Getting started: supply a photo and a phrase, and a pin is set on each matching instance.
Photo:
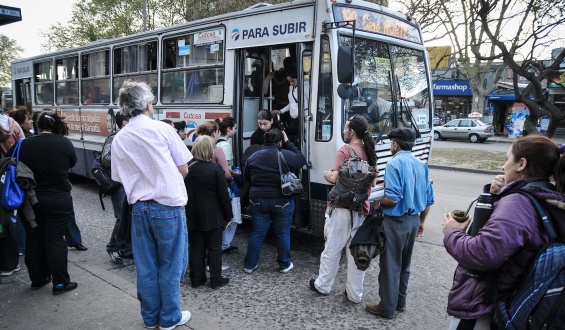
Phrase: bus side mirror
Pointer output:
(345, 65)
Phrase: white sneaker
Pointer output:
(250, 270)
(10, 272)
(224, 267)
(287, 269)
(185, 317)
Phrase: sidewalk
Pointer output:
(107, 302)
(558, 139)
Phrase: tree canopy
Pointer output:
(9, 51)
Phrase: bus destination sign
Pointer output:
(370, 21)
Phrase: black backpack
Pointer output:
(353, 182)
(101, 170)
(539, 301)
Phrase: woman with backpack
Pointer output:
(513, 235)
(342, 223)
(49, 155)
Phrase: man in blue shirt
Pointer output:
(407, 198)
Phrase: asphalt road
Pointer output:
(266, 299)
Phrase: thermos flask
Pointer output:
(483, 210)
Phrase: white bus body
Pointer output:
(215, 67)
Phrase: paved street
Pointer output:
(266, 299)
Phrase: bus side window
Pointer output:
(324, 113)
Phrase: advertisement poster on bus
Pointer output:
(94, 121)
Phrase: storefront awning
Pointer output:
(9, 15)
(503, 96)
(452, 87)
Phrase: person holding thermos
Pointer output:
(507, 233)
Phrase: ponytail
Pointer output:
(53, 122)
(361, 128)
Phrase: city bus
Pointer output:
(351, 57)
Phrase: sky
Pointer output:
(37, 16)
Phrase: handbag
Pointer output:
(235, 203)
(290, 184)
(12, 194)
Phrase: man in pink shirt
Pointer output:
(150, 161)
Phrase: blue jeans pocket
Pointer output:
(282, 205)
(165, 225)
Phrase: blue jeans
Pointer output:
(160, 248)
(265, 211)
(72, 234)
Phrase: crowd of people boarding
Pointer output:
(187, 205)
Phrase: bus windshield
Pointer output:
(390, 87)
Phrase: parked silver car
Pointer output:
(464, 128)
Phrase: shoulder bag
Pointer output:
(12, 194)
(290, 184)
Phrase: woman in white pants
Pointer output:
(342, 223)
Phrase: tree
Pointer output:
(451, 19)
(536, 24)
(95, 20)
(9, 51)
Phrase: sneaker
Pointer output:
(185, 317)
(287, 269)
(149, 326)
(116, 258)
(401, 308)
(313, 287)
(62, 288)
(224, 267)
(250, 270)
(10, 272)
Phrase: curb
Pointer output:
(462, 169)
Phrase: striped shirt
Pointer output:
(145, 156)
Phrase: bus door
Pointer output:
(22, 92)
(249, 96)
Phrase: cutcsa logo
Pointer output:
(235, 34)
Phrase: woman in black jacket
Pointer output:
(49, 155)
(208, 212)
(268, 204)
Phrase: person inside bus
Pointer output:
(280, 83)
(265, 120)
(291, 121)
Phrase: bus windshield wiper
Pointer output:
(404, 104)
